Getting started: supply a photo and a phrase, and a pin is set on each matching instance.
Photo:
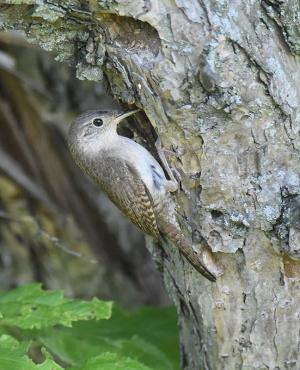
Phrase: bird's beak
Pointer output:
(125, 115)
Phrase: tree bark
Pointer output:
(219, 83)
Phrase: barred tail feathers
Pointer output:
(185, 247)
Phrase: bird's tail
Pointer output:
(201, 260)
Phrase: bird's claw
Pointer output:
(173, 173)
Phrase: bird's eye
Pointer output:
(98, 122)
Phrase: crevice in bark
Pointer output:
(263, 76)
(289, 217)
(281, 31)
(275, 325)
(275, 12)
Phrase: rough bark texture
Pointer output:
(219, 82)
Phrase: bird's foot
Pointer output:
(173, 173)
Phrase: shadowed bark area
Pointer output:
(219, 83)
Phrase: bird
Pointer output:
(131, 178)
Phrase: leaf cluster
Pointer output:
(44, 330)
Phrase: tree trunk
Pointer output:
(219, 83)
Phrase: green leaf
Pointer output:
(149, 335)
(70, 329)
(31, 307)
(13, 356)
(111, 361)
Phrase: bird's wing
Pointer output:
(129, 193)
(123, 185)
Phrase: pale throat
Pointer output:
(103, 140)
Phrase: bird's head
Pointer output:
(93, 128)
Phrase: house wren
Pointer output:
(132, 179)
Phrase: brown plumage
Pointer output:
(131, 177)
(128, 192)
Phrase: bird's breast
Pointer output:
(146, 165)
